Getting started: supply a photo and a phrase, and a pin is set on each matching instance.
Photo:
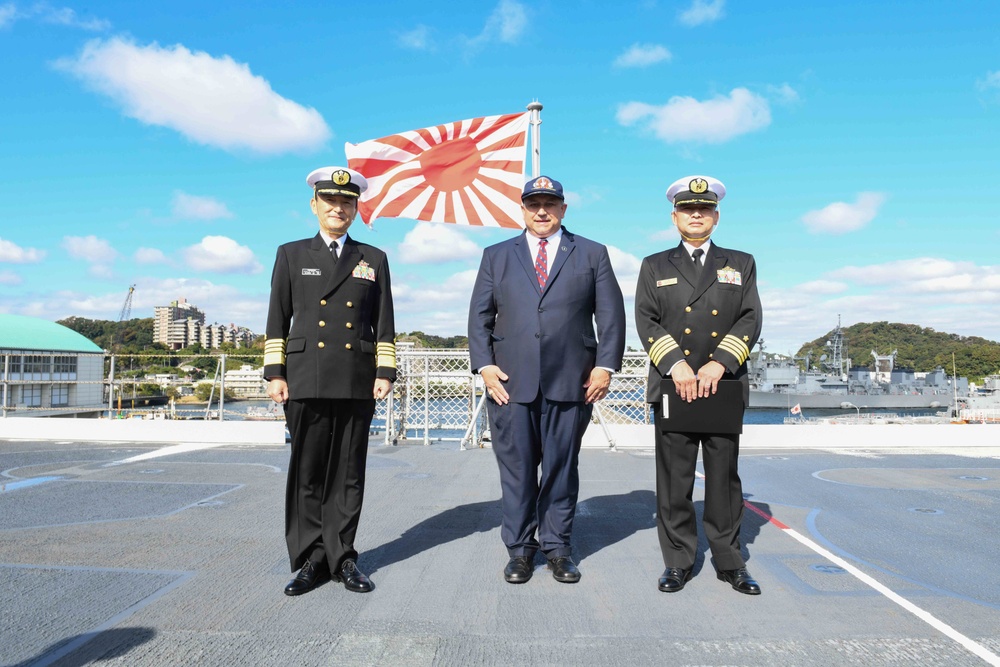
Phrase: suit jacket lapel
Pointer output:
(682, 260)
(714, 261)
(522, 250)
(558, 256)
(339, 270)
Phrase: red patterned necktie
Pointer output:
(542, 264)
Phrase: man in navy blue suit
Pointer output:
(531, 337)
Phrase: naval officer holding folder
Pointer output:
(698, 316)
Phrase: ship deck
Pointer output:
(131, 554)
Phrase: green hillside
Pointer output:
(918, 348)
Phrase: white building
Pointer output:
(247, 382)
(48, 370)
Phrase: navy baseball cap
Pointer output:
(542, 185)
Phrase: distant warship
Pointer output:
(778, 382)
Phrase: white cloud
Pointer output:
(8, 14)
(587, 196)
(435, 242)
(626, 268)
(990, 82)
(149, 256)
(955, 297)
(668, 233)
(685, 119)
(820, 287)
(214, 101)
(15, 254)
(221, 303)
(505, 24)
(89, 249)
(840, 217)
(192, 207)
(702, 11)
(46, 13)
(783, 94)
(221, 254)
(921, 272)
(418, 39)
(643, 55)
(67, 17)
(441, 309)
(9, 278)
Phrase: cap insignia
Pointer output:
(543, 184)
(340, 177)
(698, 185)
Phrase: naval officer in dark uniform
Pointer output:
(329, 354)
(698, 315)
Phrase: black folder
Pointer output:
(721, 412)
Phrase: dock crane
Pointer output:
(116, 336)
(123, 316)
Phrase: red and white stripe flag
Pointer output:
(469, 172)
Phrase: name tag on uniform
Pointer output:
(311, 272)
(666, 281)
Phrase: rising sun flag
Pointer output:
(469, 172)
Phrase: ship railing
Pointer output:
(436, 397)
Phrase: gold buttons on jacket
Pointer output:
(687, 331)
(347, 347)
(715, 334)
(322, 323)
(350, 305)
(687, 353)
(710, 356)
(321, 345)
(715, 312)
(322, 302)
(349, 325)
(687, 309)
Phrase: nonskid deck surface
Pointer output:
(865, 557)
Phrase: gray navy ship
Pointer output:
(777, 381)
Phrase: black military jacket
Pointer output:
(716, 317)
(330, 328)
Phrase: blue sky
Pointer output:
(166, 145)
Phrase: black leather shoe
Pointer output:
(740, 580)
(308, 578)
(673, 579)
(564, 570)
(519, 569)
(353, 579)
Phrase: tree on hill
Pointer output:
(918, 348)
(421, 339)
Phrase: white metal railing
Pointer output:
(436, 397)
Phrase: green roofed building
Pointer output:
(48, 370)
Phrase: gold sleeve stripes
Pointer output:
(385, 355)
(661, 348)
(735, 347)
(274, 352)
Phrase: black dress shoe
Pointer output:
(353, 579)
(519, 569)
(740, 580)
(308, 578)
(673, 579)
(564, 570)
